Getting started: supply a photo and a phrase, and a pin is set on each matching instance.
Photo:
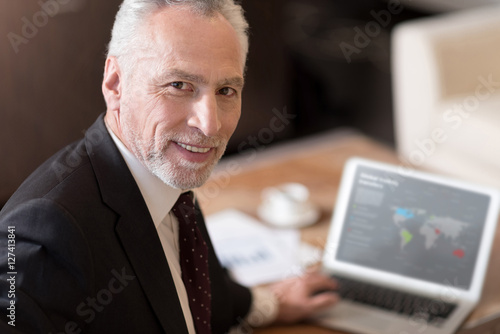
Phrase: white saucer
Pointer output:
(286, 219)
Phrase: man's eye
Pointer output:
(227, 91)
(180, 85)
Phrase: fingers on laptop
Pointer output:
(298, 297)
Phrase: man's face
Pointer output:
(182, 101)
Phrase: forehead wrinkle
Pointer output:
(156, 30)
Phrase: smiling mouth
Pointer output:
(194, 148)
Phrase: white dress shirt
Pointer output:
(160, 198)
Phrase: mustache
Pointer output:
(195, 138)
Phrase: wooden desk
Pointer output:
(317, 162)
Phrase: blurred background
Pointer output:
(316, 65)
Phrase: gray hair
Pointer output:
(132, 13)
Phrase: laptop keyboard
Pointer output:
(434, 311)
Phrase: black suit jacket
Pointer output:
(87, 254)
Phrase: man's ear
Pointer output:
(111, 84)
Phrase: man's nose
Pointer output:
(205, 115)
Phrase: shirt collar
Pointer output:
(159, 197)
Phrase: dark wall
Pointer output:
(336, 57)
(50, 90)
(298, 81)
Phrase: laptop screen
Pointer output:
(413, 227)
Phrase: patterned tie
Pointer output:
(193, 252)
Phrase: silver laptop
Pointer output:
(409, 249)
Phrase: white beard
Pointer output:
(174, 172)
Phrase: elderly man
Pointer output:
(107, 236)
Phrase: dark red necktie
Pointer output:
(193, 253)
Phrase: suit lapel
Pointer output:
(135, 228)
(145, 253)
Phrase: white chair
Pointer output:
(446, 85)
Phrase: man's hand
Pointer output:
(300, 297)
